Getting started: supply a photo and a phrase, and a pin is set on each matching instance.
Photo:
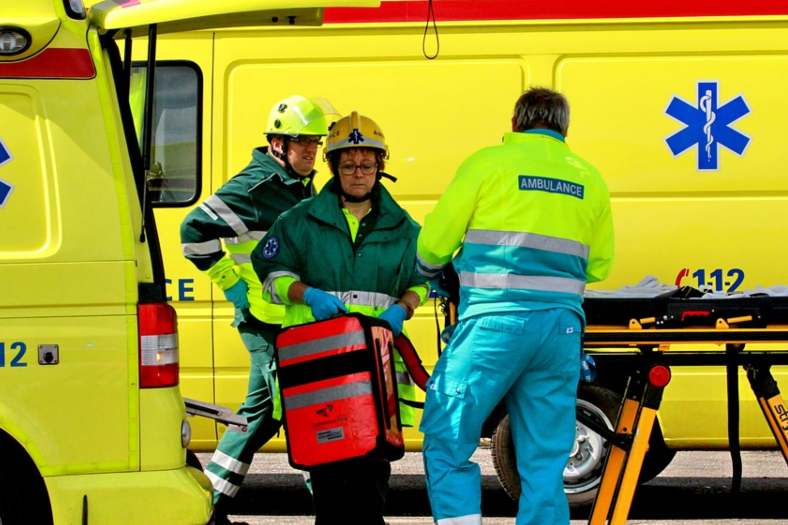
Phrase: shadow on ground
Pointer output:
(663, 498)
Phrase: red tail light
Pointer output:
(158, 326)
(659, 376)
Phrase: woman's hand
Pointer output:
(323, 305)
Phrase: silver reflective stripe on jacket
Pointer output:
(426, 269)
(202, 248)
(522, 282)
(241, 258)
(248, 236)
(359, 298)
(326, 395)
(527, 240)
(270, 279)
(317, 346)
(226, 214)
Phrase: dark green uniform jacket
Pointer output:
(312, 243)
(239, 214)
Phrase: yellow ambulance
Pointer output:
(92, 423)
(679, 104)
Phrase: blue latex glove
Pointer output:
(323, 305)
(587, 368)
(236, 294)
(394, 316)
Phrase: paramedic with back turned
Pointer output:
(534, 223)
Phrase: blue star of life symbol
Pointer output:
(5, 188)
(355, 137)
(271, 248)
(707, 126)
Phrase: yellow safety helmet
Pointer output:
(355, 131)
(297, 115)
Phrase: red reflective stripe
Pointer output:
(448, 10)
(51, 63)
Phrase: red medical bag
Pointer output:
(339, 391)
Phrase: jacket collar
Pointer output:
(532, 134)
(327, 207)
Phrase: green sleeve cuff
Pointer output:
(224, 273)
(422, 290)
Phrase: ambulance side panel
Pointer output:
(703, 207)
(71, 268)
(69, 283)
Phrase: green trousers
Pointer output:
(232, 457)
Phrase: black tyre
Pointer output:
(23, 495)
(583, 472)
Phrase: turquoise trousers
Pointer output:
(530, 360)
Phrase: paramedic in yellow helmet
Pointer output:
(351, 248)
(534, 224)
(218, 237)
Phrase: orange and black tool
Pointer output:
(771, 402)
(629, 445)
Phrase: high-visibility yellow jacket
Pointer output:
(534, 223)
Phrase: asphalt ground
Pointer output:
(693, 490)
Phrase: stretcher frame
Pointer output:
(644, 344)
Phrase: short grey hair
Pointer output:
(541, 108)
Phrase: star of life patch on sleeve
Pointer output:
(271, 248)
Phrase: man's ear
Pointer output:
(514, 124)
(277, 144)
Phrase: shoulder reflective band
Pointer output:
(360, 298)
(346, 342)
(52, 63)
(327, 395)
(527, 240)
(522, 282)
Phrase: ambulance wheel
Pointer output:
(583, 472)
(23, 494)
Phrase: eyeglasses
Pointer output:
(365, 169)
(307, 140)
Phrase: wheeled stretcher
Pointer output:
(646, 333)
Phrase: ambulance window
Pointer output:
(177, 130)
